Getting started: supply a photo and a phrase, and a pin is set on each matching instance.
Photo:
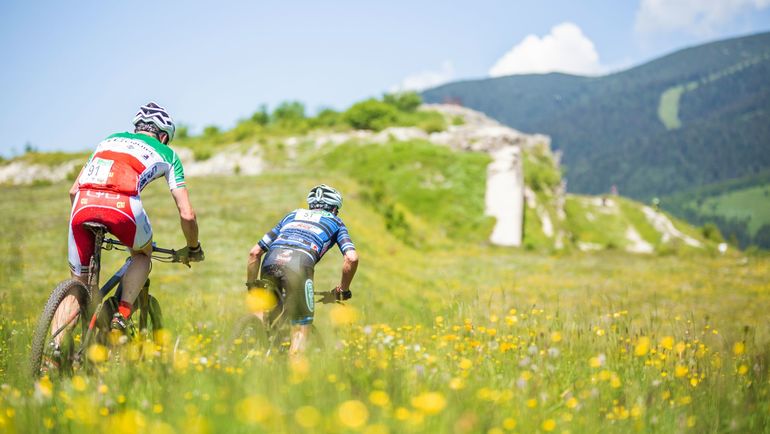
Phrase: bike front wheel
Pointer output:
(61, 330)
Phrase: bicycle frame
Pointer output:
(95, 267)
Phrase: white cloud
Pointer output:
(426, 79)
(565, 49)
(699, 17)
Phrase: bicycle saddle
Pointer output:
(95, 226)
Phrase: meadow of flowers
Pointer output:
(461, 339)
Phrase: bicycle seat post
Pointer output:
(98, 230)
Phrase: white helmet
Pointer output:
(154, 114)
(323, 196)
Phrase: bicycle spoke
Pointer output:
(69, 321)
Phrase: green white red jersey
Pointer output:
(125, 163)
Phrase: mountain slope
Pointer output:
(697, 116)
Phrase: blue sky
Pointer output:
(71, 75)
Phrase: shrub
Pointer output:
(245, 129)
(403, 101)
(182, 132)
(288, 112)
(432, 123)
(327, 118)
(540, 173)
(211, 131)
(261, 116)
(201, 154)
(711, 232)
(371, 115)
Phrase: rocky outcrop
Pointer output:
(20, 172)
(227, 162)
(665, 226)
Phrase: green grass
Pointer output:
(668, 107)
(436, 184)
(752, 202)
(462, 338)
(540, 172)
(604, 227)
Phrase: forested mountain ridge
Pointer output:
(695, 117)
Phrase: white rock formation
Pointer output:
(663, 224)
(636, 244)
(19, 172)
(504, 196)
(227, 162)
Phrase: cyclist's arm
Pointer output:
(349, 254)
(187, 216)
(252, 267)
(349, 267)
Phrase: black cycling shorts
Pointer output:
(292, 271)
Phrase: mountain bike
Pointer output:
(273, 331)
(65, 349)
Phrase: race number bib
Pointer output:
(308, 216)
(97, 172)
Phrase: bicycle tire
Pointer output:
(250, 332)
(42, 340)
(156, 315)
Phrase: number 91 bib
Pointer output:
(97, 172)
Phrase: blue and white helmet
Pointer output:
(154, 114)
(323, 196)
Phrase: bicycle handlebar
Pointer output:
(155, 249)
(333, 296)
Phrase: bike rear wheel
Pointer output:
(58, 352)
(250, 334)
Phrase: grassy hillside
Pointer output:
(460, 337)
(694, 117)
(739, 207)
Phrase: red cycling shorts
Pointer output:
(123, 215)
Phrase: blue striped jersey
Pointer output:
(311, 231)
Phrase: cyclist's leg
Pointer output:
(139, 237)
(80, 243)
(301, 300)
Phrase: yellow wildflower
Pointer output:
(548, 425)
(260, 300)
(343, 315)
(429, 402)
(642, 346)
(379, 398)
(667, 342)
(353, 414)
(307, 416)
(739, 348)
(97, 353)
(79, 383)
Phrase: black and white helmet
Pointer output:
(323, 196)
(154, 114)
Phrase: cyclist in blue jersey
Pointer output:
(293, 248)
